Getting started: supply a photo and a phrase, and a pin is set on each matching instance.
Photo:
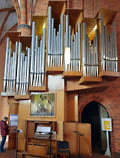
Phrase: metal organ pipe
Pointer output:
(32, 53)
(109, 59)
(90, 55)
(6, 65)
(49, 34)
(55, 42)
(19, 66)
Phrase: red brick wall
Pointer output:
(110, 98)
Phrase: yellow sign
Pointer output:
(106, 124)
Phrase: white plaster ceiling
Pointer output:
(8, 18)
(2, 17)
(5, 4)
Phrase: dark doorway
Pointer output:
(92, 113)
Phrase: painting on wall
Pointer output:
(42, 104)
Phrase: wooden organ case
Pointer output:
(38, 141)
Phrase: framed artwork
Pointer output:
(42, 104)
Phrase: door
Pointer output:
(92, 113)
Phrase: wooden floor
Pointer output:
(12, 154)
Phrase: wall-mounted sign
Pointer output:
(106, 124)
(13, 120)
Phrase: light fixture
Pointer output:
(67, 55)
(95, 27)
(44, 25)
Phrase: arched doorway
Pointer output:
(92, 113)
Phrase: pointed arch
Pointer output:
(93, 113)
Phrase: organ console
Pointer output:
(43, 132)
(41, 138)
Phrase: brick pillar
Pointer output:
(23, 27)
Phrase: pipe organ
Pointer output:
(37, 69)
(10, 68)
(109, 59)
(24, 69)
(90, 54)
(74, 43)
(55, 42)
(22, 80)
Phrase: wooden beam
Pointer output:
(71, 74)
(3, 24)
(109, 75)
(73, 86)
(37, 89)
(7, 9)
(22, 97)
(89, 80)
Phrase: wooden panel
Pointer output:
(54, 70)
(76, 107)
(79, 20)
(30, 129)
(71, 75)
(60, 106)
(71, 107)
(26, 41)
(13, 35)
(43, 141)
(90, 25)
(109, 75)
(13, 109)
(38, 150)
(73, 15)
(22, 97)
(57, 8)
(65, 106)
(60, 130)
(23, 115)
(85, 140)
(108, 15)
(73, 86)
(21, 136)
(89, 80)
(40, 23)
(37, 89)
(69, 136)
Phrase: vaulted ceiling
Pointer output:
(8, 17)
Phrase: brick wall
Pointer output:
(110, 99)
